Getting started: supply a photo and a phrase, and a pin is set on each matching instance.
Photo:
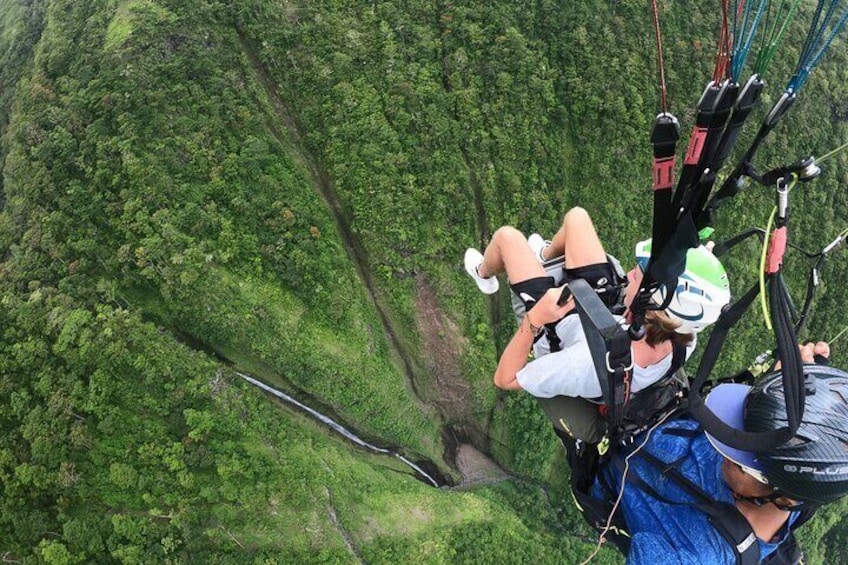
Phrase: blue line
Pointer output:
(814, 48)
(752, 32)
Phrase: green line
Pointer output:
(763, 301)
(838, 335)
(767, 54)
(763, 254)
(837, 150)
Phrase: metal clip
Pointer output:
(782, 198)
(611, 370)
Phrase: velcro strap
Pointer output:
(696, 145)
(663, 173)
(777, 247)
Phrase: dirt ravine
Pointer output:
(451, 393)
(443, 344)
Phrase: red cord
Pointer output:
(660, 60)
(724, 43)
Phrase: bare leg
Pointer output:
(578, 240)
(508, 252)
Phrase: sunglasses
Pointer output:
(759, 501)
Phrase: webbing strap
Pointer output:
(613, 286)
(664, 267)
(713, 110)
(554, 343)
(664, 136)
(745, 101)
(666, 264)
(725, 246)
(695, 195)
(678, 358)
(733, 183)
(609, 346)
(792, 371)
(792, 368)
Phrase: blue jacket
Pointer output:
(669, 533)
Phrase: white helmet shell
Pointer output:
(702, 289)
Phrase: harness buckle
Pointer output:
(611, 370)
(629, 438)
(746, 543)
(604, 445)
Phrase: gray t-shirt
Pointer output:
(571, 371)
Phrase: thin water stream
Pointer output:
(338, 428)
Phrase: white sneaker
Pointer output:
(473, 260)
(537, 244)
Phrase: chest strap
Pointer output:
(609, 346)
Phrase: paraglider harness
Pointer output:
(678, 216)
(628, 413)
(666, 400)
(609, 344)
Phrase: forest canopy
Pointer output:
(284, 188)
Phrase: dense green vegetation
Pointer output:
(285, 188)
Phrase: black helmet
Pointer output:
(812, 466)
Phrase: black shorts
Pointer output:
(600, 276)
(532, 290)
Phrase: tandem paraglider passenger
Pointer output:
(562, 375)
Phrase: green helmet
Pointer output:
(702, 290)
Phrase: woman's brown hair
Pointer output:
(659, 328)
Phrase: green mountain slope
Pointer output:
(285, 188)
